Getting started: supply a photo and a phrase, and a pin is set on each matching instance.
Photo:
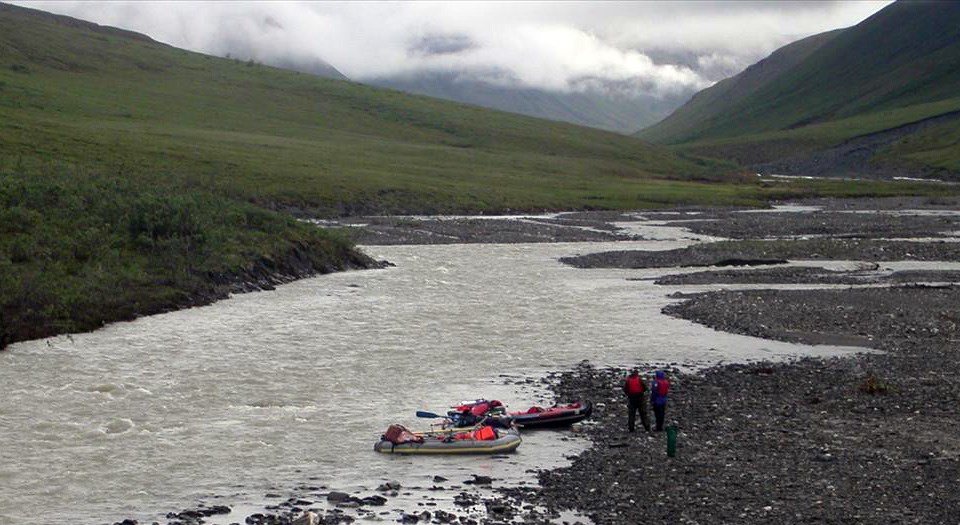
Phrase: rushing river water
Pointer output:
(266, 391)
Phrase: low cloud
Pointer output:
(655, 48)
(440, 44)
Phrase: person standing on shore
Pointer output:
(636, 392)
(658, 397)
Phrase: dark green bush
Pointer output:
(78, 250)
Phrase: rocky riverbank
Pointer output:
(848, 440)
(853, 440)
(590, 227)
(870, 438)
(855, 157)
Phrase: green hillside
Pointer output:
(136, 178)
(610, 112)
(101, 98)
(897, 67)
(712, 105)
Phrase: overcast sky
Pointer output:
(657, 47)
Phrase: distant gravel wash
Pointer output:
(817, 316)
(803, 275)
(847, 224)
(438, 230)
(753, 252)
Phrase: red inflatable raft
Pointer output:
(552, 417)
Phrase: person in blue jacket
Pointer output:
(658, 397)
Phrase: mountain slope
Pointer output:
(136, 178)
(903, 55)
(712, 104)
(619, 113)
(93, 96)
(877, 100)
(314, 67)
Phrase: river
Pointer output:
(244, 400)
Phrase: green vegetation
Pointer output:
(137, 178)
(767, 146)
(712, 105)
(280, 138)
(895, 68)
(81, 249)
(613, 113)
(935, 147)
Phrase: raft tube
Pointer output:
(552, 417)
(507, 440)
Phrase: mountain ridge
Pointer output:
(608, 111)
(895, 68)
(739, 86)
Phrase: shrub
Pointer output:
(78, 250)
(874, 386)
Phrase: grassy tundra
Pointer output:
(136, 177)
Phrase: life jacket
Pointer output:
(661, 387)
(485, 434)
(634, 386)
(479, 407)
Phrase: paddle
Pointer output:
(424, 413)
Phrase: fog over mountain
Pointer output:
(561, 57)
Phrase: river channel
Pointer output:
(245, 400)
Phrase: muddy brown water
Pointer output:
(265, 392)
